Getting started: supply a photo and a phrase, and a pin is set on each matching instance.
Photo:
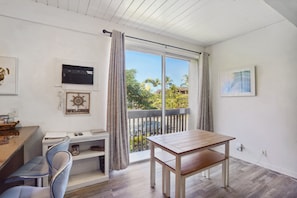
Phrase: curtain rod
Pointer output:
(132, 37)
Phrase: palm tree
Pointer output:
(185, 81)
(155, 82)
(168, 81)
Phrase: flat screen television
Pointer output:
(74, 74)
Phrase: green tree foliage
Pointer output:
(137, 96)
(176, 97)
(141, 96)
(155, 82)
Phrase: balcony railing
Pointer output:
(144, 123)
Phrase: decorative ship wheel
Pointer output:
(78, 100)
(77, 103)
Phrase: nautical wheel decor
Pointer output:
(77, 103)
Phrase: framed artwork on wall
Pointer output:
(8, 75)
(77, 103)
(238, 82)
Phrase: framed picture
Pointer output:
(77, 103)
(238, 82)
(8, 75)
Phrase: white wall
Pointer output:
(268, 120)
(40, 37)
(38, 49)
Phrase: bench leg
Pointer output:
(163, 180)
(206, 173)
(39, 182)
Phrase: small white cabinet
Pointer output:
(91, 165)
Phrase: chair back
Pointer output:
(50, 153)
(62, 163)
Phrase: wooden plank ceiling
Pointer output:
(203, 22)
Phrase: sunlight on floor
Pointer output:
(139, 156)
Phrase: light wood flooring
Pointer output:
(246, 181)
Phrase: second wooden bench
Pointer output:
(190, 164)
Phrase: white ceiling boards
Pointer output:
(201, 22)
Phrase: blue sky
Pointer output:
(149, 66)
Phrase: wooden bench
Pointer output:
(190, 165)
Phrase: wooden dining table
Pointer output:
(184, 143)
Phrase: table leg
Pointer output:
(153, 165)
(227, 163)
(166, 181)
(224, 173)
(178, 182)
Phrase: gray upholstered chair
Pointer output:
(61, 165)
(39, 167)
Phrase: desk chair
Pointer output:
(61, 165)
(39, 167)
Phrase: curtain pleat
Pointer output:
(205, 120)
(117, 108)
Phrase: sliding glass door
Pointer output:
(176, 95)
(157, 91)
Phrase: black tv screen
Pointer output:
(73, 74)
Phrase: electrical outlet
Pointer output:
(239, 146)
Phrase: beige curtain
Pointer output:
(205, 120)
(116, 109)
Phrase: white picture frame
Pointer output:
(238, 82)
(8, 75)
(77, 103)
